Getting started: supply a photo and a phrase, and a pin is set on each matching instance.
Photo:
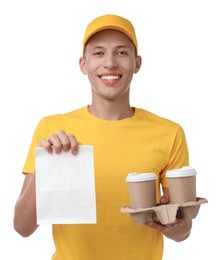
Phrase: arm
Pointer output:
(25, 220)
(179, 156)
(178, 231)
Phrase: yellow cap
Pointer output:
(110, 21)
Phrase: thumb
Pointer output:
(164, 199)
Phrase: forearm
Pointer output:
(25, 220)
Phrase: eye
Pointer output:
(122, 53)
(98, 53)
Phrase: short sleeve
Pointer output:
(179, 155)
(29, 166)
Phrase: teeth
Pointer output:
(110, 77)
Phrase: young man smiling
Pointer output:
(125, 139)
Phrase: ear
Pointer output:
(138, 64)
(82, 64)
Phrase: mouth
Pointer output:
(110, 77)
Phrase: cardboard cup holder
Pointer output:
(165, 213)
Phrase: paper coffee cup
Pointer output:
(182, 184)
(142, 189)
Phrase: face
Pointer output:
(109, 62)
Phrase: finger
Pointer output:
(165, 229)
(56, 143)
(156, 225)
(74, 145)
(164, 200)
(64, 140)
(46, 145)
(173, 224)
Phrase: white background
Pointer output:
(39, 75)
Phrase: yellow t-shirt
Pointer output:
(141, 143)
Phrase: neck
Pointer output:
(111, 111)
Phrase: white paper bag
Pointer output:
(65, 187)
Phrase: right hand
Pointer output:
(60, 142)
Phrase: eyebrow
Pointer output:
(117, 47)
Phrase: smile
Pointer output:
(110, 77)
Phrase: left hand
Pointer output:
(179, 230)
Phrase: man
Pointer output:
(125, 139)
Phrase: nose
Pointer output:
(110, 61)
